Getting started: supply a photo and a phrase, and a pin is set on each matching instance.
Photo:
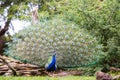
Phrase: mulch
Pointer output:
(23, 69)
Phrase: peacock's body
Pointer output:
(51, 65)
(73, 46)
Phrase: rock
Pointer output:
(117, 77)
(103, 76)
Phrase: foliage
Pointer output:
(12, 8)
(73, 46)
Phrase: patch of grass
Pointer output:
(49, 78)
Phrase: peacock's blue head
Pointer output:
(54, 53)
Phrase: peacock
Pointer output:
(51, 65)
(35, 43)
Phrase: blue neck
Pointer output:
(53, 59)
(52, 64)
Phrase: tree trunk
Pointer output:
(2, 33)
(2, 42)
(6, 27)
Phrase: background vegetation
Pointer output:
(101, 18)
